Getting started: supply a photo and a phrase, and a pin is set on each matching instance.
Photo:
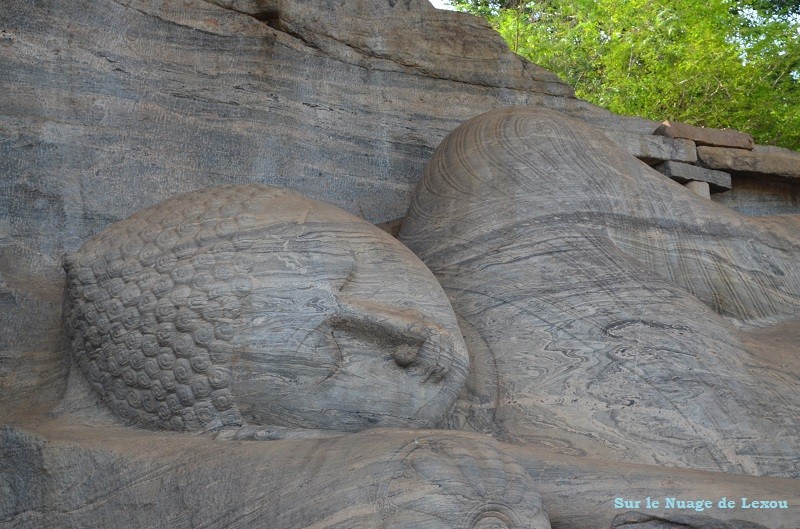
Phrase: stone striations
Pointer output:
(399, 479)
(639, 520)
(755, 193)
(606, 299)
(111, 106)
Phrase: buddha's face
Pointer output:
(254, 305)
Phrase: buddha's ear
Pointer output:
(407, 325)
(416, 340)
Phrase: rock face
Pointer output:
(701, 189)
(405, 479)
(350, 97)
(110, 107)
(637, 520)
(607, 298)
(759, 195)
(764, 179)
(62, 474)
(251, 305)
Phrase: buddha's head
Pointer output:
(253, 305)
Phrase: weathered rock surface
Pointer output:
(706, 136)
(770, 162)
(615, 122)
(580, 492)
(234, 92)
(33, 365)
(392, 37)
(391, 227)
(636, 520)
(701, 189)
(759, 195)
(773, 149)
(58, 476)
(110, 107)
(683, 172)
(606, 299)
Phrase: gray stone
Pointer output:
(701, 189)
(402, 37)
(90, 451)
(33, 365)
(56, 476)
(770, 162)
(251, 305)
(684, 172)
(756, 193)
(396, 76)
(777, 150)
(653, 149)
(109, 107)
(569, 484)
(706, 136)
(759, 195)
(615, 122)
(599, 294)
(392, 227)
(638, 520)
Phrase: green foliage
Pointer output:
(776, 7)
(716, 63)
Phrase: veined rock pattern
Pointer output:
(381, 478)
(251, 305)
(610, 301)
(608, 312)
(111, 106)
